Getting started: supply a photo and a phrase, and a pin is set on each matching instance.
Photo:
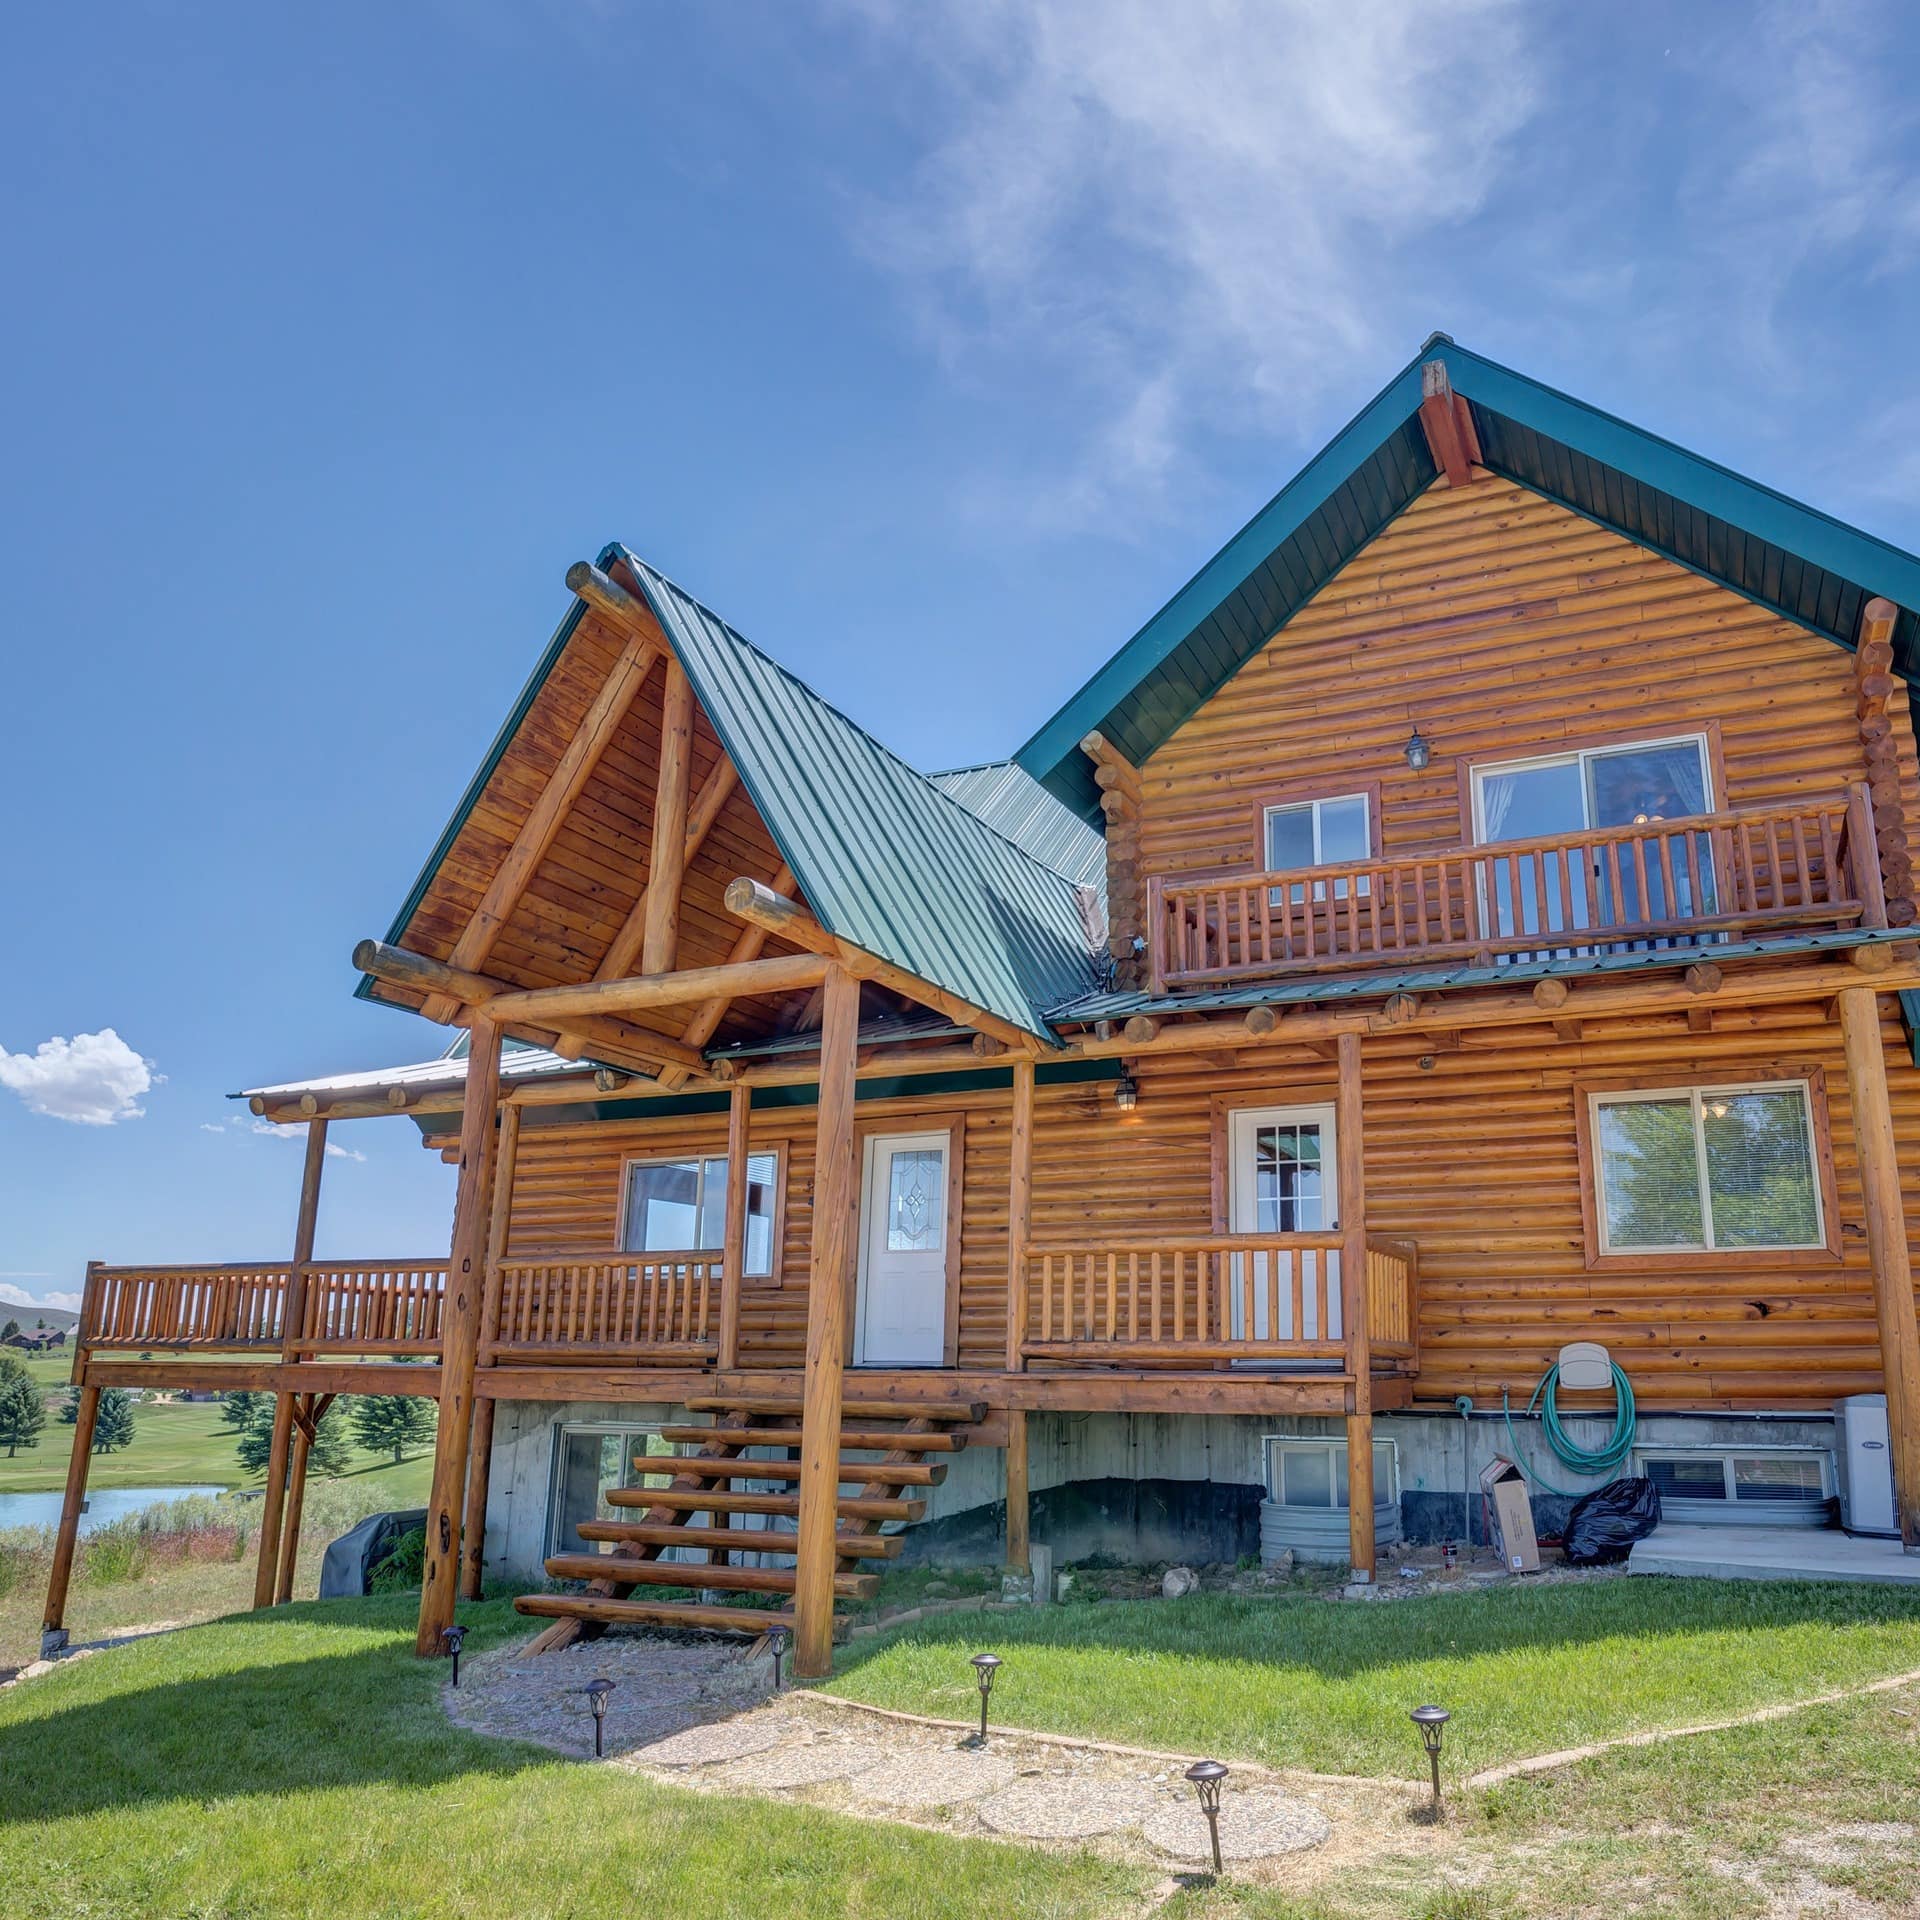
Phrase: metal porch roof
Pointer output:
(1013, 803)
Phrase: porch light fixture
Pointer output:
(597, 1692)
(777, 1639)
(1432, 1722)
(451, 1639)
(1126, 1092)
(1206, 1776)
(986, 1665)
(1418, 750)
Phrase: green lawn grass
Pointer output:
(180, 1443)
(298, 1764)
(1297, 1680)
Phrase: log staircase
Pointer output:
(701, 1512)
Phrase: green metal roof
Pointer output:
(1791, 558)
(1012, 802)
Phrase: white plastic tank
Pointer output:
(1865, 1463)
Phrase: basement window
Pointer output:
(1313, 1473)
(589, 1462)
(1754, 1486)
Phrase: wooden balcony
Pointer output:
(1215, 1299)
(638, 1309)
(1808, 867)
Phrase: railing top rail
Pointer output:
(540, 1262)
(198, 1270)
(1212, 879)
(1122, 1245)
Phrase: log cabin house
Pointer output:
(1471, 916)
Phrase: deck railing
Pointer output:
(1812, 865)
(622, 1306)
(373, 1306)
(1212, 1297)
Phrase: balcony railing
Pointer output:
(624, 1307)
(1214, 1297)
(1803, 867)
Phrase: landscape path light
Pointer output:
(1206, 1776)
(777, 1639)
(986, 1665)
(451, 1639)
(1432, 1722)
(597, 1691)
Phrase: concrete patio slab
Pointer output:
(1772, 1553)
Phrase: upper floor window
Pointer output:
(680, 1206)
(1707, 1169)
(1334, 832)
(1626, 785)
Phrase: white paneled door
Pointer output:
(902, 1315)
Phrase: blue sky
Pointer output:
(935, 345)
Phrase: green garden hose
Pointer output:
(1594, 1465)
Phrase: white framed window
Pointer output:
(1705, 1169)
(680, 1206)
(1630, 783)
(1335, 831)
(589, 1462)
(1308, 1472)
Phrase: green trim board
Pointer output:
(1795, 560)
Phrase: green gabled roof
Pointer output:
(884, 858)
(1799, 562)
(1013, 803)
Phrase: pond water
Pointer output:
(104, 1505)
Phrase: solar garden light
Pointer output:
(777, 1639)
(1206, 1776)
(597, 1692)
(1432, 1722)
(450, 1642)
(986, 1665)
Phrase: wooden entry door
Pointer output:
(905, 1240)
(1283, 1177)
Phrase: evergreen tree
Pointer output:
(70, 1408)
(329, 1455)
(23, 1408)
(113, 1423)
(9, 1330)
(394, 1423)
(237, 1406)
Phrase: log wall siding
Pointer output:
(1475, 1159)
(1507, 626)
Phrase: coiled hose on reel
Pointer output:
(1593, 1464)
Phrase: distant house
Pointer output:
(38, 1342)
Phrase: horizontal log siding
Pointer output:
(1474, 1160)
(1507, 626)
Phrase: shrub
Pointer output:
(401, 1570)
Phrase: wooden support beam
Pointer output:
(288, 1559)
(761, 907)
(1019, 1530)
(667, 869)
(1350, 1153)
(1261, 1021)
(836, 1185)
(1887, 1246)
(473, 1531)
(622, 955)
(649, 993)
(556, 799)
(733, 1235)
(460, 1338)
(1139, 1029)
(1448, 425)
(1019, 1211)
(1549, 993)
(53, 1622)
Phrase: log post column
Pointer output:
(1019, 1212)
(835, 1203)
(473, 1534)
(460, 1336)
(1350, 1149)
(293, 1314)
(733, 1235)
(1887, 1244)
(1019, 1528)
(53, 1623)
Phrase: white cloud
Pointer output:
(1186, 211)
(13, 1296)
(94, 1079)
(271, 1130)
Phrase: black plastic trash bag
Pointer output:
(1604, 1525)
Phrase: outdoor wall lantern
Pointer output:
(1419, 751)
(1126, 1092)
(450, 1642)
(597, 1692)
(1432, 1722)
(1206, 1776)
(986, 1665)
(777, 1638)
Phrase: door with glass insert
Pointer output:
(902, 1314)
(1644, 880)
(1282, 1178)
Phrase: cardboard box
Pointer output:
(1509, 1507)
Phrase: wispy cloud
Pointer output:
(1183, 212)
(94, 1079)
(271, 1130)
(14, 1296)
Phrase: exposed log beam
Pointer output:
(760, 906)
(564, 786)
(784, 973)
(1448, 425)
(747, 946)
(667, 869)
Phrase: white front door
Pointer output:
(902, 1313)
(1282, 1178)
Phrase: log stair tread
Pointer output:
(662, 1533)
(608, 1611)
(854, 1439)
(724, 1500)
(853, 1473)
(955, 1412)
(695, 1574)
